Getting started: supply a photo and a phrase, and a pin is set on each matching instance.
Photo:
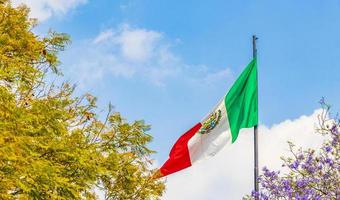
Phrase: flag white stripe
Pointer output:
(202, 146)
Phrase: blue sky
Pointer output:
(169, 62)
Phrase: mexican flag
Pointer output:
(237, 109)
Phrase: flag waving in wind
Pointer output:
(237, 109)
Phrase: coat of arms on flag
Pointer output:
(211, 122)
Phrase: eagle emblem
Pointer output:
(211, 122)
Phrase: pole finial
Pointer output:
(254, 46)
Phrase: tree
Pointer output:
(312, 174)
(53, 144)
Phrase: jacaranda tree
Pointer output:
(53, 144)
(312, 174)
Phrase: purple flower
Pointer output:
(311, 169)
(298, 197)
(301, 183)
(294, 165)
(264, 169)
(322, 101)
(326, 176)
(334, 129)
(254, 194)
(317, 197)
(286, 184)
(328, 149)
(329, 161)
(309, 160)
(334, 141)
(301, 157)
(269, 174)
(264, 197)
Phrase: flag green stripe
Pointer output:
(241, 101)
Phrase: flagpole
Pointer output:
(256, 158)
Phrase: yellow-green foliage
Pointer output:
(52, 144)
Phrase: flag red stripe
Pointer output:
(179, 157)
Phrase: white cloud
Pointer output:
(224, 74)
(139, 44)
(129, 52)
(229, 175)
(135, 45)
(126, 52)
(44, 9)
(103, 36)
